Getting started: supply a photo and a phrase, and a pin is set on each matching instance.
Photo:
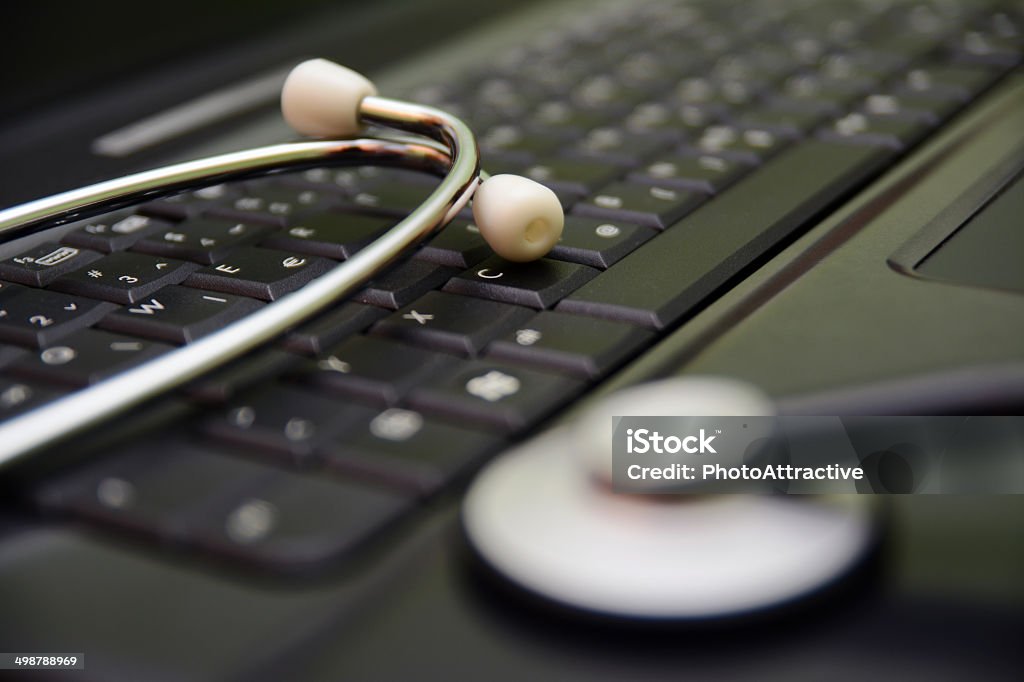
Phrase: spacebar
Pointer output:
(671, 274)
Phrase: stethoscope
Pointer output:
(519, 218)
(541, 514)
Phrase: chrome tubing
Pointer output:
(453, 151)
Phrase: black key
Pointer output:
(404, 283)
(960, 83)
(179, 314)
(457, 324)
(202, 240)
(701, 173)
(617, 146)
(514, 143)
(11, 354)
(375, 370)
(223, 384)
(329, 234)
(41, 265)
(598, 243)
(191, 204)
(124, 277)
(652, 206)
(87, 357)
(539, 284)
(580, 347)
(493, 395)
(404, 449)
(864, 129)
(284, 420)
(319, 334)
(580, 176)
(753, 145)
(389, 199)
(671, 122)
(271, 202)
(260, 273)
(299, 523)
(115, 231)
(922, 109)
(668, 276)
(38, 318)
(157, 490)
(458, 245)
(21, 396)
(787, 123)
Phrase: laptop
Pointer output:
(814, 204)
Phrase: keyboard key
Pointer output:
(457, 245)
(752, 145)
(41, 265)
(404, 283)
(202, 240)
(598, 243)
(667, 277)
(17, 397)
(617, 146)
(11, 354)
(297, 523)
(493, 396)
(271, 202)
(402, 448)
(572, 176)
(699, 173)
(284, 420)
(114, 231)
(86, 357)
(260, 273)
(538, 284)
(179, 314)
(156, 489)
(38, 318)
(656, 206)
(387, 198)
(124, 277)
(921, 109)
(329, 234)
(326, 330)
(223, 384)
(191, 204)
(946, 82)
(864, 129)
(375, 370)
(579, 347)
(457, 324)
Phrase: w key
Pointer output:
(179, 314)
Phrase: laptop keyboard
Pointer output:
(686, 143)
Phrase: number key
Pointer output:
(124, 277)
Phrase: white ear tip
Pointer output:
(321, 98)
(520, 219)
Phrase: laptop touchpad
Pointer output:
(987, 250)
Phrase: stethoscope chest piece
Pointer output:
(536, 516)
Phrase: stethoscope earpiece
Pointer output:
(520, 219)
(321, 99)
